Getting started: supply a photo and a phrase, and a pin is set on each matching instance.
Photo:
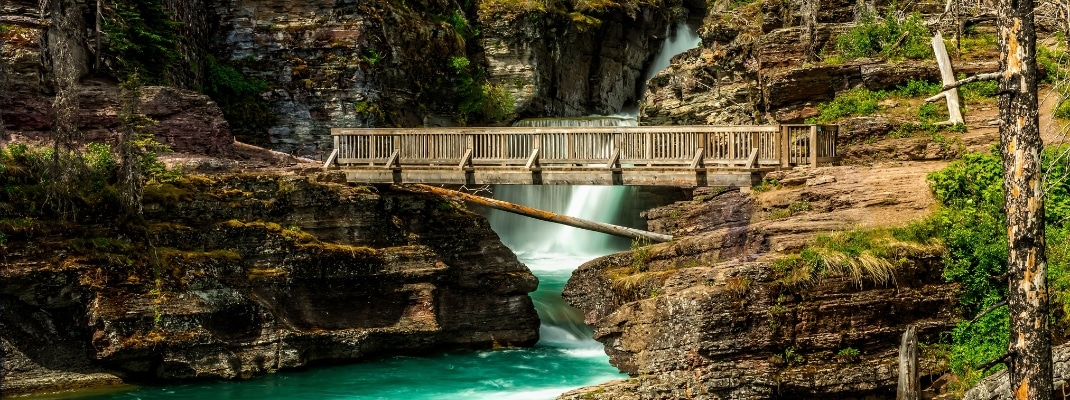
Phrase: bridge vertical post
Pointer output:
(782, 145)
(617, 138)
(756, 143)
(337, 148)
(648, 151)
(732, 147)
(813, 146)
(397, 142)
(703, 140)
(504, 148)
(570, 140)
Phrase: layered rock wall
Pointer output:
(713, 315)
(578, 61)
(396, 63)
(250, 274)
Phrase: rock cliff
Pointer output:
(711, 315)
(754, 67)
(389, 63)
(249, 274)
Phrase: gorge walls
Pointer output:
(248, 274)
(334, 63)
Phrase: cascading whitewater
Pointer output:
(536, 240)
(566, 356)
(683, 38)
(530, 236)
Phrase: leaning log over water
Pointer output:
(549, 216)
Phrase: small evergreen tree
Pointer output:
(137, 147)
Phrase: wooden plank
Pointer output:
(785, 136)
(680, 177)
(813, 146)
(533, 161)
(331, 158)
(392, 161)
(614, 160)
(697, 163)
(466, 159)
(752, 159)
(562, 130)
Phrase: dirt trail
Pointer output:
(875, 193)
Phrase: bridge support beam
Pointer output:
(549, 216)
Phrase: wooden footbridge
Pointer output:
(646, 155)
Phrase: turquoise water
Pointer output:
(565, 358)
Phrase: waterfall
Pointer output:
(552, 251)
(594, 120)
(683, 38)
(531, 236)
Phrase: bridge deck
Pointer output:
(661, 155)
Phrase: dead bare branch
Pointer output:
(987, 311)
(1002, 359)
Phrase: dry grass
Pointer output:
(632, 285)
(491, 11)
(859, 256)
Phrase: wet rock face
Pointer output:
(253, 274)
(731, 330)
(711, 316)
(185, 120)
(556, 66)
(746, 73)
(344, 64)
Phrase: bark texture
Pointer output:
(909, 386)
(1020, 145)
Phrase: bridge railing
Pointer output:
(701, 145)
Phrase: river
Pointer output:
(565, 358)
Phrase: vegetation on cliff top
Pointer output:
(972, 223)
(141, 37)
(886, 36)
(967, 231)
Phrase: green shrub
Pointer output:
(980, 342)
(1063, 110)
(141, 37)
(877, 37)
(855, 102)
(238, 96)
(973, 227)
(849, 354)
(917, 87)
(479, 100)
(99, 158)
(928, 113)
(460, 23)
(979, 90)
(1056, 63)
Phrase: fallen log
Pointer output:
(548, 216)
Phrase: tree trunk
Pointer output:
(1030, 365)
(596, 226)
(809, 13)
(98, 46)
(909, 385)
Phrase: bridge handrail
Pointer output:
(691, 145)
